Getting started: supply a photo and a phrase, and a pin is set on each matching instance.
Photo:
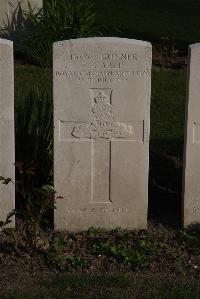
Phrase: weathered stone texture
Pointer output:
(191, 166)
(102, 116)
(7, 145)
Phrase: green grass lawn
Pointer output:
(30, 77)
(168, 111)
(152, 19)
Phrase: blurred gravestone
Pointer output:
(9, 7)
(7, 145)
(101, 137)
(191, 167)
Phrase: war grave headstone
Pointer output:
(101, 138)
(7, 144)
(8, 7)
(191, 166)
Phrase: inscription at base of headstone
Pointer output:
(7, 145)
(191, 165)
(101, 137)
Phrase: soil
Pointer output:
(178, 255)
(164, 250)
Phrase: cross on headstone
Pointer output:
(101, 125)
(101, 133)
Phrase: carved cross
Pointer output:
(102, 130)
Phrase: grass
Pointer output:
(109, 286)
(26, 77)
(152, 19)
(168, 111)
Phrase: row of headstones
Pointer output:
(101, 138)
(10, 9)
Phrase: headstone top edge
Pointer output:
(194, 46)
(6, 42)
(104, 40)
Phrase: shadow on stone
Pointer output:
(165, 185)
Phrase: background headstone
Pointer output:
(7, 7)
(191, 166)
(101, 138)
(7, 144)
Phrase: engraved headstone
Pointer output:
(8, 7)
(101, 137)
(7, 145)
(191, 167)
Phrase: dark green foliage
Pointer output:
(34, 204)
(35, 195)
(36, 31)
(76, 263)
(152, 19)
(34, 134)
(58, 258)
(34, 142)
(132, 258)
(190, 240)
(55, 257)
(135, 256)
(167, 111)
(34, 130)
(65, 18)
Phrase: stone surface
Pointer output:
(7, 145)
(101, 137)
(7, 7)
(191, 167)
(3, 12)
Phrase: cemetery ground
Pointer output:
(165, 262)
(99, 264)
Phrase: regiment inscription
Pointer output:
(101, 115)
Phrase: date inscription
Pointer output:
(96, 210)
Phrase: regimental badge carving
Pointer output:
(102, 122)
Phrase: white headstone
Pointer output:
(101, 138)
(191, 167)
(8, 7)
(7, 144)
(4, 12)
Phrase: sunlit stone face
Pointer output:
(101, 137)
(7, 144)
